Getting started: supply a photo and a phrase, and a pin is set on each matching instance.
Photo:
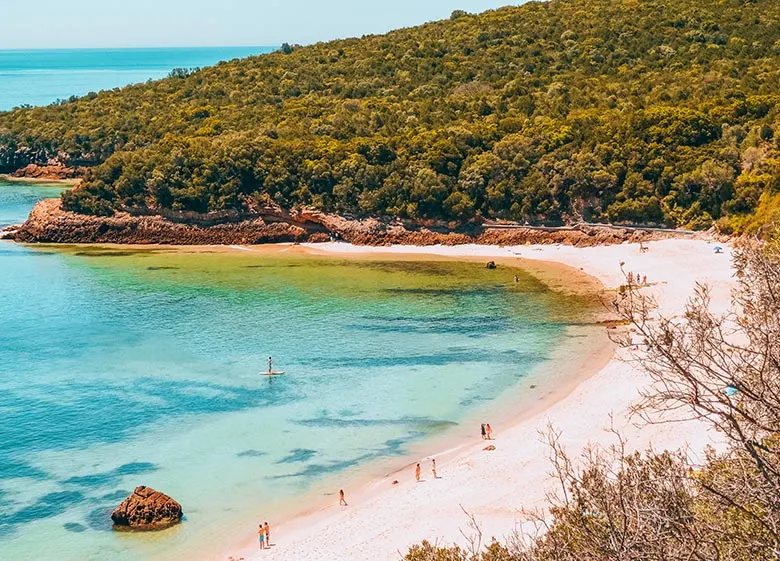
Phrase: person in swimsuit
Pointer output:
(483, 431)
(489, 432)
(435, 475)
(270, 365)
(417, 473)
(261, 536)
(267, 530)
(342, 501)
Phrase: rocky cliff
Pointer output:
(56, 172)
(49, 223)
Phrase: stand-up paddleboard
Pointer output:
(273, 373)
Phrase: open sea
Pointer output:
(40, 77)
(127, 366)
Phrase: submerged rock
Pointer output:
(146, 510)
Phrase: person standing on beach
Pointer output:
(435, 475)
(342, 501)
(261, 536)
(267, 530)
(489, 431)
(417, 473)
(483, 431)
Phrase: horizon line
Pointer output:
(147, 48)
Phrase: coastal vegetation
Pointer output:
(719, 369)
(652, 112)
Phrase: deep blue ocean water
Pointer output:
(40, 77)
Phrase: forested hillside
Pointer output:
(654, 111)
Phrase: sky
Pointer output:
(37, 24)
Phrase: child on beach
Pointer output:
(342, 501)
(261, 536)
(417, 473)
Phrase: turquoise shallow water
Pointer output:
(121, 367)
(39, 77)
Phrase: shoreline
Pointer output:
(546, 387)
(375, 477)
(381, 520)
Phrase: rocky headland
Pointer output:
(50, 172)
(50, 223)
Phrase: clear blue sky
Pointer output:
(30, 24)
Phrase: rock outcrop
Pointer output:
(146, 510)
(50, 223)
(56, 172)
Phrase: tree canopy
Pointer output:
(653, 111)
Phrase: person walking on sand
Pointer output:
(483, 431)
(417, 473)
(489, 431)
(435, 475)
(267, 530)
(261, 536)
(342, 501)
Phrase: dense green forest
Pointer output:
(644, 111)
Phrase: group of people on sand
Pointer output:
(635, 279)
(418, 470)
(264, 535)
(487, 432)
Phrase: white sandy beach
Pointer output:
(383, 520)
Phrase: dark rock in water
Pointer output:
(146, 509)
